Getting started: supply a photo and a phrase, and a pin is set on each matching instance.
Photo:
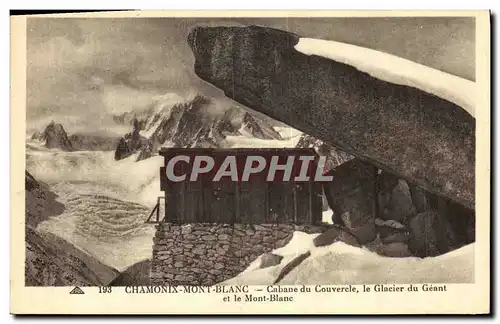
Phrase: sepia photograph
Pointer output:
(215, 153)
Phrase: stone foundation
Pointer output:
(206, 254)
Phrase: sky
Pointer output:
(81, 71)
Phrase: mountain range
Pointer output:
(191, 123)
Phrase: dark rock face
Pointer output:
(145, 153)
(351, 195)
(431, 235)
(419, 198)
(132, 143)
(269, 260)
(415, 135)
(135, 275)
(335, 234)
(396, 250)
(41, 203)
(50, 260)
(56, 137)
(400, 205)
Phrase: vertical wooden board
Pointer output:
(174, 207)
(281, 202)
(194, 202)
(302, 202)
(253, 202)
(207, 200)
(182, 202)
(223, 206)
(316, 204)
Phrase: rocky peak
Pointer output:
(55, 137)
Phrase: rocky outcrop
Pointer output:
(269, 260)
(131, 143)
(50, 260)
(41, 203)
(351, 195)
(399, 206)
(135, 275)
(55, 137)
(417, 136)
(431, 235)
(335, 234)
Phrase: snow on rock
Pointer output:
(396, 70)
(340, 263)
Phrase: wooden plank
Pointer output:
(194, 202)
(223, 207)
(253, 202)
(316, 215)
(207, 200)
(281, 203)
(302, 202)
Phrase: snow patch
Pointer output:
(252, 142)
(396, 70)
(340, 263)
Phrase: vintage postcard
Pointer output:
(273, 162)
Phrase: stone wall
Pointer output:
(207, 253)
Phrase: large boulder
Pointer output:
(399, 207)
(270, 260)
(335, 234)
(395, 250)
(418, 136)
(431, 235)
(351, 195)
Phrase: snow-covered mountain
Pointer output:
(189, 123)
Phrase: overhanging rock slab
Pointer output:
(418, 136)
